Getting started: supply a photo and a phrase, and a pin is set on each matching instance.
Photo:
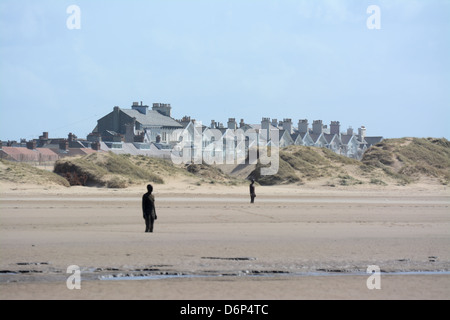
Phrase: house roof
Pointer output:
(288, 135)
(315, 137)
(303, 134)
(16, 151)
(329, 137)
(112, 133)
(130, 148)
(47, 152)
(80, 151)
(345, 138)
(372, 140)
(76, 144)
(295, 135)
(22, 153)
(152, 118)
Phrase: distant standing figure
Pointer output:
(252, 191)
(148, 209)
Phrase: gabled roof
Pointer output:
(17, 151)
(294, 136)
(152, 118)
(25, 154)
(46, 152)
(304, 134)
(112, 133)
(315, 137)
(286, 134)
(329, 137)
(372, 140)
(346, 138)
(80, 151)
(191, 127)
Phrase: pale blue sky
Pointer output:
(216, 59)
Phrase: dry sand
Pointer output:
(295, 242)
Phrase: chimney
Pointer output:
(232, 123)
(350, 131)
(43, 139)
(317, 126)
(275, 123)
(303, 126)
(287, 125)
(361, 133)
(213, 124)
(95, 145)
(242, 123)
(71, 137)
(265, 125)
(139, 108)
(162, 108)
(335, 127)
(129, 131)
(185, 121)
(115, 119)
(64, 145)
(31, 144)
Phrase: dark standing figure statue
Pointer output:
(148, 209)
(252, 191)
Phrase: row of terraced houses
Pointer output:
(141, 130)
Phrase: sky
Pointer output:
(220, 59)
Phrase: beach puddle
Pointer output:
(234, 259)
(40, 271)
(257, 273)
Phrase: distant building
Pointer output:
(21, 154)
(64, 147)
(141, 131)
(347, 144)
(138, 124)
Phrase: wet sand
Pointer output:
(211, 243)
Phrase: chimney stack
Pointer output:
(129, 131)
(335, 127)
(361, 133)
(350, 131)
(303, 125)
(265, 127)
(139, 108)
(64, 145)
(232, 123)
(317, 126)
(31, 145)
(162, 108)
(287, 125)
(95, 145)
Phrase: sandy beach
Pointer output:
(294, 242)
